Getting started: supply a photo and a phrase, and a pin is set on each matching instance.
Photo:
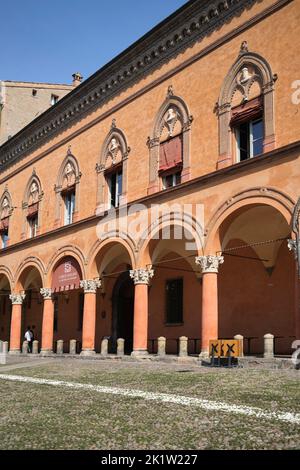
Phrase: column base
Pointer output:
(15, 352)
(46, 352)
(88, 352)
(139, 353)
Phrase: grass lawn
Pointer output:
(34, 416)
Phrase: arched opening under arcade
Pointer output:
(30, 282)
(115, 298)
(175, 291)
(256, 283)
(68, 300)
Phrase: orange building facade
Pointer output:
(199, 117)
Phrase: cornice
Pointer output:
(189, 24)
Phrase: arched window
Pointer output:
(67, 191)
(170, 145)
(246, 109)
(6, 209)
(112, 170)
(32, 207)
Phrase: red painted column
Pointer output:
(297, 304)
(16, 322)
(209, 329)
(89, 316)
(141, 278)
(48, 322)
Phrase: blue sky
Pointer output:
(48, 40)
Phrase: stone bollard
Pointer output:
(5, 347)
(25, 347)
(268, 345)
(104, 347)
(240, 338)
(60, 346)
(72, 349)
(120, 346)
(183, 346)
(161, 346)
(1, 346)
(35, 347)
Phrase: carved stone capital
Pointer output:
(100, 167)
(210, 263)
(152, 142)
(141, 275)
(46, 292)
(17, 299)
(90, 285)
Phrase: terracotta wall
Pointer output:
(253, 302)
(136, 119)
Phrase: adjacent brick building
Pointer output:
(21, 102)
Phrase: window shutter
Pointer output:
(170, 154)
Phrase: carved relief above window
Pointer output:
(6, 209)
(69, 175)
(246, 109)
(67, 191)
(31, 207)
(170, 144)
(112, 170)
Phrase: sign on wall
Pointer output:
(66, 275)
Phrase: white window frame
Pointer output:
(237, 138)
(117, 194)
(68, 214)
(3, 241)
(164, 179)
(54, 99)
(33, 227)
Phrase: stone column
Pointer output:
(141, 278)
(60, 346)
(161, 346)
(89, 316)
(16, 321)
(104, 347)
(293, 247)
(183, 346)
(72, 348)
(48, 321)
(120, 346)
(35, 347)
(25, 347)
(210, 267)
(240, 338)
